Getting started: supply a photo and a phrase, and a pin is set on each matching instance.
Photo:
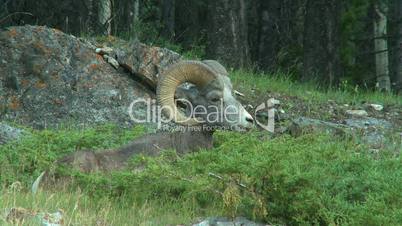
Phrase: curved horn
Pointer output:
(194, 72)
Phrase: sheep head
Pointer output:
(210, 98)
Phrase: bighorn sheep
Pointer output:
(213, 104)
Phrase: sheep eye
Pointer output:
(215, 99)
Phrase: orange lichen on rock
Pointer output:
(99, 58)
(24, 82)
(55, 75)
(13, 32)
(37, 69)
(15, 103)
(93, 66)
(40, 85)
(42, 48)
(58, 101)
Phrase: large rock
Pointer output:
(305, 125)
(143, 61)
(9, 133)
(48, 77)
(370, 131)
(373, 131)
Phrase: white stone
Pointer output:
(274, 101)
(104, 50)
(111, 61)
(357, 112)
(376, 107)
(238, 93)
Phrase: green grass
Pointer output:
(81, 209)
(283, 84)
(313, 179)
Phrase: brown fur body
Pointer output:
(150, 145)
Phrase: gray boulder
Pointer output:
(370, 131)
(48, 78)
(9, 133)
(146, 62)
(305, 125)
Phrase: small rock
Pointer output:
(281, 130)
(377, 107)
(111, 61)
(360, 113)
(274, 101)
(104, 50)
(9, 133)
(51, 219)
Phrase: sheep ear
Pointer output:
(216, 67)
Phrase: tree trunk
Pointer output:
(321, 59)
(136, 11)
(227, 32)
(90, 18)
(397, 45)
(276, 33)
(132, 15)
(191, 23)
(168, 19)
(269, 33)
(381, 47)
(104, 17)
(126, 18)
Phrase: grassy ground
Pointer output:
(309, 100)
(282, 83)
(313, 179)
(81, 209)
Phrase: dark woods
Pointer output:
(354, 43)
